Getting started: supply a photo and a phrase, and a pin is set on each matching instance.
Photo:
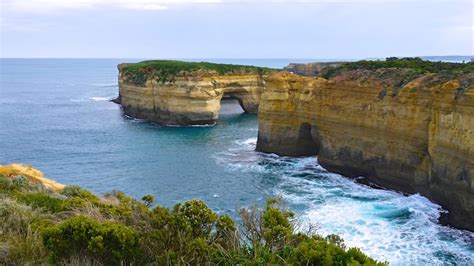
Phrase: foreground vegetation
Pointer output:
(166, 70)
(414, 63)
(74, 226)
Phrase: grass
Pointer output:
(166, 70)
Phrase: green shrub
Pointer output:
(148, 200)
(415, 63)
(78, 192)
(195, 217)
(277, 225)
(107, 242)
(42, 200)
(9, 185)
(77, 227)
(166, 70)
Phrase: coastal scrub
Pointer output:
(74, 226)
(165, 70)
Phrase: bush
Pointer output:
(166, 70)
(9, 185)
(148, 200)
(194, 217)
(107, 242)
(78, 192)
(42, 200)
(20, 240)
(77, 227)
(414, 63)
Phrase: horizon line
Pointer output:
(241, 58)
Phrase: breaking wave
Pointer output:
(385, 224)
(100, 99)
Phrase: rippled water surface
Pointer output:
(55, 115)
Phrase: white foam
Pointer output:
(135, 120)
(385, 224)
(199, 125)
(250, 141)
(105, 85)
(100, 99)
(77, 100)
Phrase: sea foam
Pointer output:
(385, 224)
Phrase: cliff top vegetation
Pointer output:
(166, 70)
(414, 63)
(77, 227)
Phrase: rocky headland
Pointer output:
(403, 124)
(33, 175)
(404, 128)
(186, 93)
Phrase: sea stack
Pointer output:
(186, 93)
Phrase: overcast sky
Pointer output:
(235, 29)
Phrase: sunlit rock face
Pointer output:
(30, 173)
(191, 98)
(413, 133)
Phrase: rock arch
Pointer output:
(306, 143)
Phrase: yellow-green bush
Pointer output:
(107, 242)
(78, 227)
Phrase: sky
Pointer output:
(328, 29)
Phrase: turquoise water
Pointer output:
(55, 115)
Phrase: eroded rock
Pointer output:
(413, 133)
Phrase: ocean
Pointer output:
(55, 114)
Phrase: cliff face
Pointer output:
(190, 97)
(398, 129)
(311, 69)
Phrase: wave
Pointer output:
(200, 125)
(385, 224)
(100, 99)
(105, 85)
(135, 120)
(78, 100)
(94, 99)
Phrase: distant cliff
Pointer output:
(310, 69)
(402, 128)
(184, 93)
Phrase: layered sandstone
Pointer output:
(396, 128)
(188, 97)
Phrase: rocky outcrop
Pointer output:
(311, 69)
(187, 97)
(395, 127)
(33, 175)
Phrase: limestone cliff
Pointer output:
(310, 69)
(398, 128)
(188, 94)
(33, 175)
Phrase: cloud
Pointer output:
(54, 5)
